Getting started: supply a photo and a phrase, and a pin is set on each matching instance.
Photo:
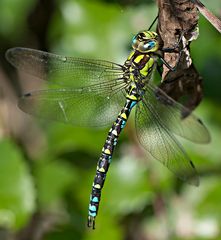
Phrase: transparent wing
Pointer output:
(81, 107)
(93, 92)
(161, 144)
(66, 71)
(176, 117)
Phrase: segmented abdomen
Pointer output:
(106, 155)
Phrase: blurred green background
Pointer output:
(47, 168)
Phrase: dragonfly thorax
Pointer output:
(139, 68)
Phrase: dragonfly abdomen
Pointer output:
(106, 155)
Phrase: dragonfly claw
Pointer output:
(91, 222)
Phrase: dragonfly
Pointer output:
(95, 93)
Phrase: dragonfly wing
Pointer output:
(176, 117)
(65, 71)
(81, 107)
(161, 144)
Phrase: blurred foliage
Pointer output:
(49, 167)
(17, 194)
(14, 16)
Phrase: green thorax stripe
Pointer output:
(139, 61)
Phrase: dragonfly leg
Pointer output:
(91, 222)
(168, 65)
(172, 50)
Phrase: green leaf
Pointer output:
(13, 23)
(127, 189)
(17, 195)
(53, 179)
(66, 138)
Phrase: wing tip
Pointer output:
(11, 53)
(194, 180)
(207, 138)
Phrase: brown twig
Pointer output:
(208, 15)
(176, 18)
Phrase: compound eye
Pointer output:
(147, 46)
(134, 41)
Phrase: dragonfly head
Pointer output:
(145, 41)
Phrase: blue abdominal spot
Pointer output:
(123, 124)
(95, 199)
(92, 208)
(133, 104)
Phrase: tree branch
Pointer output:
(208, 15)
(176, 18)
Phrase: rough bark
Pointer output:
(177, 17)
